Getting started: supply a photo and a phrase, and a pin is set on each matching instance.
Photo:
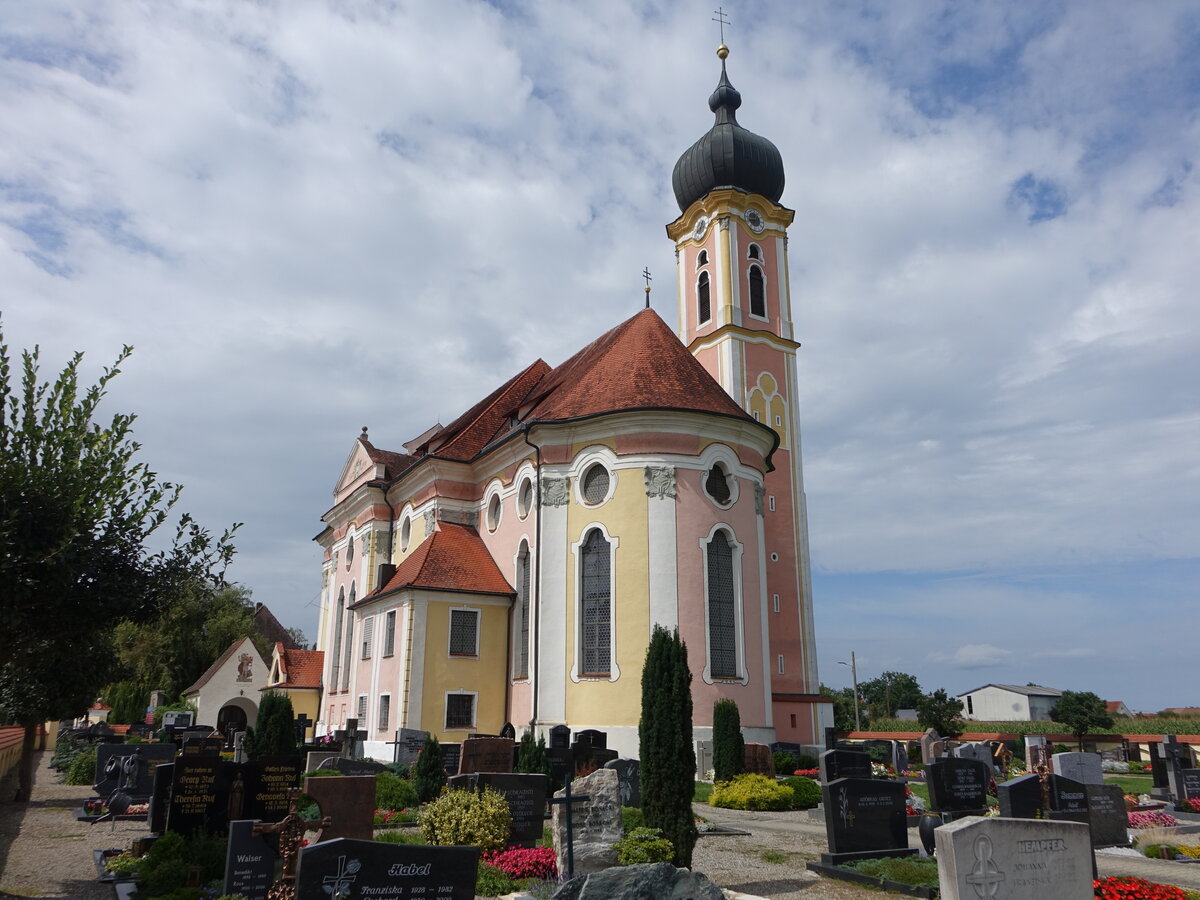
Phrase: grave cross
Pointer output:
(291, 831)
(303, 723)
(395, 746)
(350, 748)
(565, 801)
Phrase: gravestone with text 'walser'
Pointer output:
(348, 869)
(249, 862)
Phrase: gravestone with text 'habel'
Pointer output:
(1014, 859)
(347, 869)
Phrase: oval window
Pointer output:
(595, 484)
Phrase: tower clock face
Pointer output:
(755, 220)
(701, 227)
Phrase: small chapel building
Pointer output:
(511, 565)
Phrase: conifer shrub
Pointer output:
(428, 776)
(643, 845)
(82, 768)
(392, 792)
(752, 792)
(729, 749)
(668, 759)
(477, 818)
(274, 733)
(531, 755)
(807, 792)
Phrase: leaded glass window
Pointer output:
(522, 612)
(337, 638)
(595, 484)
(758, 295)
(349, 641)
(460, 710)
(717, 484)
(722, 635)
(596, 609)
(464, 632)
(389, 634)
(703, 303)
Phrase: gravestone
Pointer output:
(598, 739)
(1017, 859)
(629, 780)
(239, 747)
(178, 718)
(958, 785)
(112, 760)
(864, 817)
(249, 862)
(759, 761)
(1177, 757)
(844, 764)
(562, 764)
(1068, 800)
(979, 752)
(490, 754)
(199, 796)
(526, 796)
(408, 745)
(507, 731)
(202, 746)
(928, 749)
(1158, 773)
(704, 758)
(899, 757)
(267, 785)
(595, 823)
(590, 750)
(1036, 752)
(1085, 768)
(1021, 798)
(451, 757)
(560, 737)
(314, 758)
(1107, 815)
(350, 868)
(160, 797)
(191, 734)
(349, 801)
(353, 766)
(1190, 779)
(302, 724)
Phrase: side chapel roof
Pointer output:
(453, 558)
(298, 668)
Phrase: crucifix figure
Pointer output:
(290, 831)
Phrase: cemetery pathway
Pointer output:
(44, 852)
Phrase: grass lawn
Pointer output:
(1131, 784)
(702, 792)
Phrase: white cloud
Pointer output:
(973, 656)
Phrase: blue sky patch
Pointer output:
(1043, 198)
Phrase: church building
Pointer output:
(510, 566)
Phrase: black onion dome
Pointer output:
(728, 156)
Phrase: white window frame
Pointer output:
(474, 610)
(362, 712)
(614, 670)
(765, 317)
(775, 602)
(780, 658)
(389, 634)
(474, 695)
(771, 502)
(739, 630)
(368, 637)
(522, 635)
(384, 712)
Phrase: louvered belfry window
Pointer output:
(722, 637)
(464, 632)
(703, 303)
(523, 613)
(597, 604)
(758, 298)
(595, 484)
(717, 484)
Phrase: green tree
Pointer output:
(843, 708)
(1082, 712)
(428, 774)
(729, 748)
(940, 712)
(76, 511)
(668, 759)
(889, 692)
(531, 755)
(274, 731)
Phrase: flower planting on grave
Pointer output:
(1158, 842)
(1150, 819)
(522, 862)
(752, 792)
(1191, 804)
(480, 819)
(1130, 888)
(643, 845)
(807, 773)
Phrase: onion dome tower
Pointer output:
(735, 317)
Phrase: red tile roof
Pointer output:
(453, 558)
(299, 668)
(488, 419)
(393, 463)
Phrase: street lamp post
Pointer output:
(854, 675)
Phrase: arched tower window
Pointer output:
(337, 637)
(722, 604)
(755, 252)
(703, 304)
(701, 258)
(758, 295)
(596, 608)
(349, 639)
(521, 656)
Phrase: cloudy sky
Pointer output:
(312, 216)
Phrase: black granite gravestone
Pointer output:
(491, 754)
(1191, 783)
(199, 796)
(249, 862)
(526, 796)
(129, 767)
(629, 780)
(958, 785)
(353, 766)
(1021, 798)
(267, 784)
(1108, 816)
(349, 868)
(592, 736)
(203, 746)
(1068, 800)
(844, 764)
(560, 737)
(451, 757)
(865, 817)
(160, 797)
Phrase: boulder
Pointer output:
(648, 881)
(595, 823)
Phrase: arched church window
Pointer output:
(349, 553)
(703, 305)
(754, 252)
(339, 617)
(716, 485)
(595, 485)
(493, 513)
(348, 642)
(758, 294)
(596, 608)
(702, 258)
(522, 613)
(722, 606)
(525, 498)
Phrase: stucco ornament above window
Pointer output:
(554, 491)
(660, 482)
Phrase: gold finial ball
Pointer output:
(722, 52)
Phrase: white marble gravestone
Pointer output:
(1017, 859)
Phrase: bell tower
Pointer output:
(735, 317)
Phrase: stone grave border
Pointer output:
(840, 873)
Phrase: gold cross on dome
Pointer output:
(722, 20)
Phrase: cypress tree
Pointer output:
(275, 734)
(428, 775)
(668, 759)
(729, 748)
(531, 755)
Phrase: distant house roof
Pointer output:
(1182, 710)
(1112, 707)
(1029, 690)
(453, 558)
(216, 666)
(270, 627)
(298, 668)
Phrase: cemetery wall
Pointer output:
(10, 748)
